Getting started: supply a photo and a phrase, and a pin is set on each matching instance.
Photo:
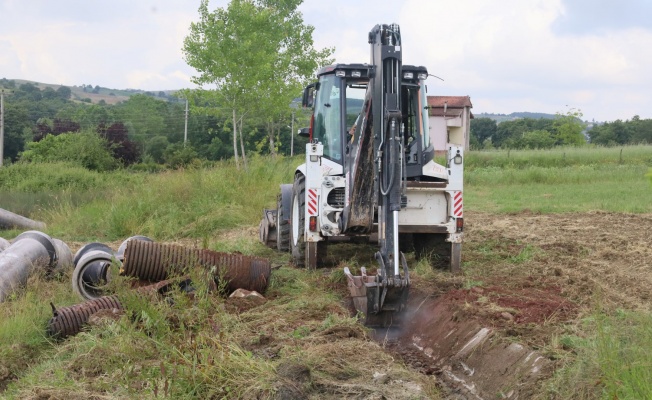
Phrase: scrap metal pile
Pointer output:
(154, 267)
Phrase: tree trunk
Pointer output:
(271, 133)
(235, 140)
(244, 155)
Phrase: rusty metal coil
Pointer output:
(68, 321)
(157, 261)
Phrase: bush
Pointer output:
(48, 177)
(85, 149)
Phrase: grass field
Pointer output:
(195, 349)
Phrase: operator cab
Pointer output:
(338, 99)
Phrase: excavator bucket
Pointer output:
(379, 300)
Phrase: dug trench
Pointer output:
(528, 280)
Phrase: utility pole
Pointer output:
(185, 129)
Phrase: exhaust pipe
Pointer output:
(28, 251)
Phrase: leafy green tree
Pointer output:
(509, 133)
(539, 139)
(64, 92)
(146, 117)
(179, 156)
(48, 93)
(16, 122)
(568, 128)
(85, 149)
(156, 148)
(257, 52)
(642, 130)
(481, 130)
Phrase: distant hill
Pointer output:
(95, 94)
(515, 115)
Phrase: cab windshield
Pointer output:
(333, 94)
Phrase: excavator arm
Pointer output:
(376, 173)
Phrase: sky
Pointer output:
(508, 56)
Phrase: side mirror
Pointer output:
(304, 132)
(309, 95)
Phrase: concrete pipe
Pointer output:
(11, 220)
(4, 243)
(92, 270)
(64, 257)
(28, 251)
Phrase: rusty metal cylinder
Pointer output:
(120, 254)
(155, 262)
(69, 321)
(28, 251)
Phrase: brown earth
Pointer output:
(528, 278)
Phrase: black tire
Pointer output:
(298, 221)
(433, 248)
(282, 227)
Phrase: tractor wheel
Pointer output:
(298, 221)
(282, 228)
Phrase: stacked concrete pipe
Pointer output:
(28, 251)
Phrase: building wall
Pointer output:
(450, 129)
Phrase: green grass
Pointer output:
(560, 180)
(612, 362)
(560, 157)
(196, 349)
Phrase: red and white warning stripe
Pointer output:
(312, 202)
(457, 205)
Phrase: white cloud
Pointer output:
(515, 55)
(511, 52)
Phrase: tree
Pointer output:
(539, 139)
(257, 52)
(122, 148)
(509, 133)
(568, 128)
(86, 149)
(55, 127)
(156, 148)
(16, 121)
(64, 92)
(483, 129)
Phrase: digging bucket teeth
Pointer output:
(381, 299)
